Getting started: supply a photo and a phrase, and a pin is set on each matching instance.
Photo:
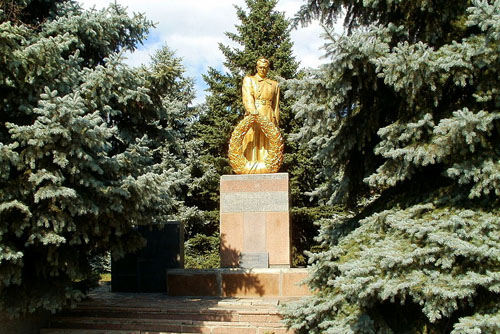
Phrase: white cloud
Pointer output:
(193, 29)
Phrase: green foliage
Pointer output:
(89, 147)
(101, 264)
(202, 252)
(405, 122)
(304, 230)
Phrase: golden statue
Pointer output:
(256, 144)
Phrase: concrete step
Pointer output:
(99, 331)
(162, 325)
(233, 314)
(182, 315)
(160, 314)
(95, 331)
(156, 330)
(88, 331)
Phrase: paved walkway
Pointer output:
(103, 296)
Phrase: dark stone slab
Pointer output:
(145, 270)
(254, 260)
(151, 275)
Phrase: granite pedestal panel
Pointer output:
(238, 282)
(254, 218)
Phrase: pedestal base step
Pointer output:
(272, 282)
(128, 313)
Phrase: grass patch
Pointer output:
(105, 278)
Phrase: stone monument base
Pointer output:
(255, 221)
(229, 282)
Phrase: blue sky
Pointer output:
(193, 29)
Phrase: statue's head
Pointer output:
(263, 67)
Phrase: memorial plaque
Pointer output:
(254, 260)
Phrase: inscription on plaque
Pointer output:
(254, 260)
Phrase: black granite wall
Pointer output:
(145, 270)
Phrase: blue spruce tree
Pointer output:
(89, 148)
(405, 122)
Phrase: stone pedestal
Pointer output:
(254, 216)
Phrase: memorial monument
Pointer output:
(254, 207)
